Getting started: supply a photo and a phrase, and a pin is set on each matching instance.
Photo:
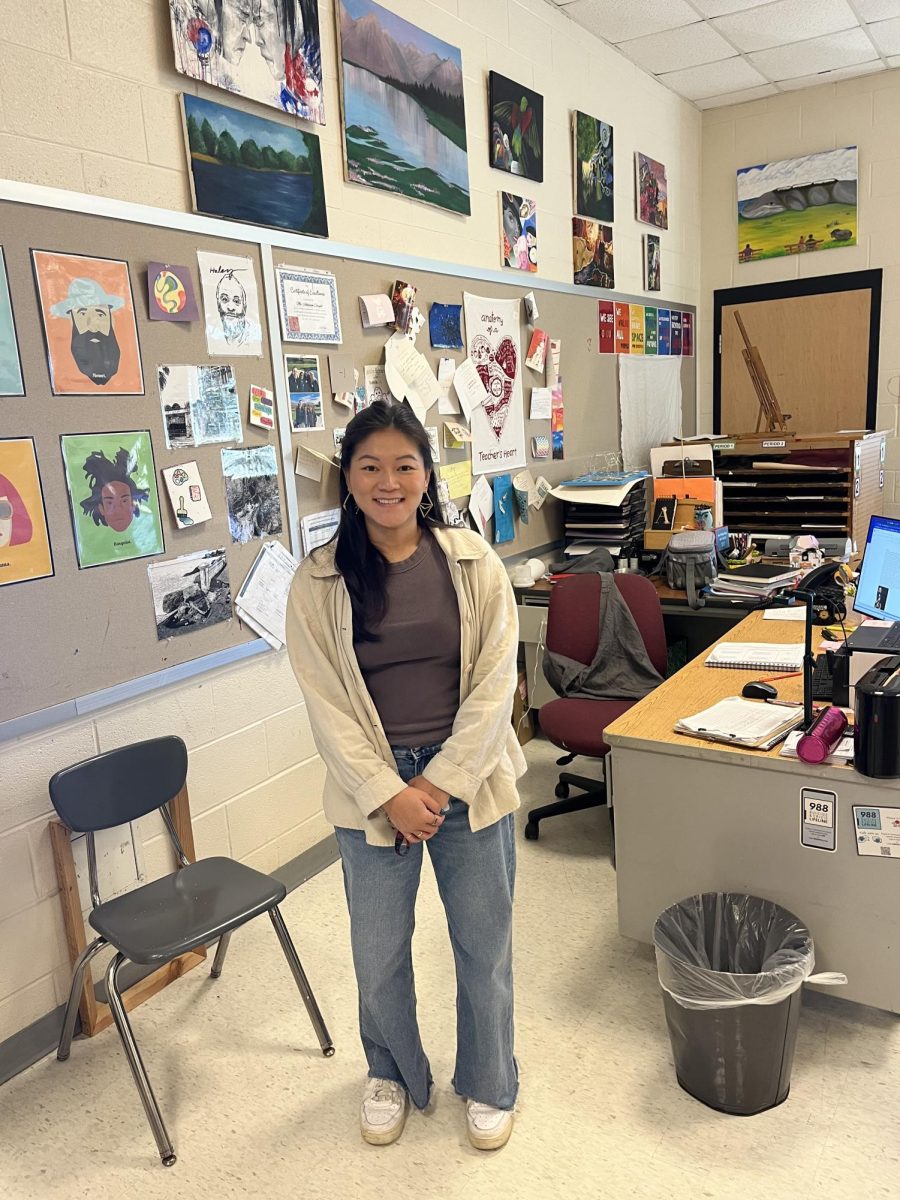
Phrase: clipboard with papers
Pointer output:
(751, 724)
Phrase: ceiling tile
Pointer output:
(713, 79)
(688, 46)
(717, 8)
(877, 10)
(886, 35)
(615, 21)
(807, 81)
(742, 97)
(895, 61)
(784, 22)
(820, 54)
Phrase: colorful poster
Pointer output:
(11, 383)
(187, 494)
(606, 343)
(650, 342)
(518, 232)
(24, 540)
(111, 479)
(676, 332)
(304, 382)
(190, 592)
(593, 261)
(403, 107)
(663, 320)
(170, 293)
(268, 50)
(557, 421)
(88, 313)
(594, 181)
(497, 423)
(687, 335)
(517, 127)
(636, 326)
(251, 493)
(623, 328)
(230, 304)
(651, 191)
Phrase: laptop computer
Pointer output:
(878, 588)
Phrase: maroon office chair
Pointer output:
(577, 725)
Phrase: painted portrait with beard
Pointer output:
(89, 325)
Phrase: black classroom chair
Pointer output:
(198, 904)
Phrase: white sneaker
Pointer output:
(383, 1113)
(488, 1127)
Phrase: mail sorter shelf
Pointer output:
(615, 526)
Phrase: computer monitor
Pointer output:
(878, 588)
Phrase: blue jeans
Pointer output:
(475, 875)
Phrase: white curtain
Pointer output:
(649, 405)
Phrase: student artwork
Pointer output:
(186, 495)
(199, 405)
(518, 220)
(230, 304)
(268, 51)
(247, 168)
(797, 205)
(664, 513)
(308, 305)
(304, 392)
(376, 385)
(24, 540)
(111, 480)
(536, 358)
(517, 128)
(251, 493)
(504, 509)
(651, 262)
(540, 446)
(444, 326)
(262, 407)
(190, 592)
(557, 422)
(592, 253)
(170, 293)
(11, 382)
(651, 196)
(403, 299)
(88, 314)
(594, 179)
(497, 421)
(403, 108)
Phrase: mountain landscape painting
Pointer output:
(403, 111)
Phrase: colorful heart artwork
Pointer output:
(497, 368)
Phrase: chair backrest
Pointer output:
(120, 785)
(573, 621)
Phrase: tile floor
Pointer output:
(254, 1110)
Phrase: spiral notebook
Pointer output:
(756, 656)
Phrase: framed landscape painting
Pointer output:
(247, 168)
(403, 110)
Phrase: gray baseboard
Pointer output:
(39, 1039)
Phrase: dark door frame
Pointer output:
(849, 281)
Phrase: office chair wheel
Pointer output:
(328, 1051)
(170, 1160)
(561, 791)
(531, 831)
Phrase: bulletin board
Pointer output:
(87, 638)
(83, 630)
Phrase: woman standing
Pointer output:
(402, 633)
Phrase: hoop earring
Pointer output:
(355, 510)
(426, 512)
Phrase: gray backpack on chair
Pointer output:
(691, 562)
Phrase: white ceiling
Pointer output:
(715, 52)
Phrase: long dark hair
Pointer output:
(362, 565)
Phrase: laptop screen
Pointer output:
(878, 588)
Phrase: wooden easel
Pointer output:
(95, 1015)
(776, 421)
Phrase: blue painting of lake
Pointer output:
(280, 198)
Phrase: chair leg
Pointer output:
(593, 798)
(129, 1045)
(221, 951)
(302, 982)
(68, 1025)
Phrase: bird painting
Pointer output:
(517, 128)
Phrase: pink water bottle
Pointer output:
(822, 736)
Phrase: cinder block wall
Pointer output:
(88, 102)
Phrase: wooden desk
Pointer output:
(695, 816)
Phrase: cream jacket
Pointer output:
(479, 762)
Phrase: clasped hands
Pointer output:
(416, 811)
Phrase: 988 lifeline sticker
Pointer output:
(877, 831)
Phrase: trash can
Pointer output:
(731, 968)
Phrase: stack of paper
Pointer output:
(262, 601)
(737, 722)
(755, 581)
(756, 656)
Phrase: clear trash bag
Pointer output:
(723, 949)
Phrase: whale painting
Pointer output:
(798, 205)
